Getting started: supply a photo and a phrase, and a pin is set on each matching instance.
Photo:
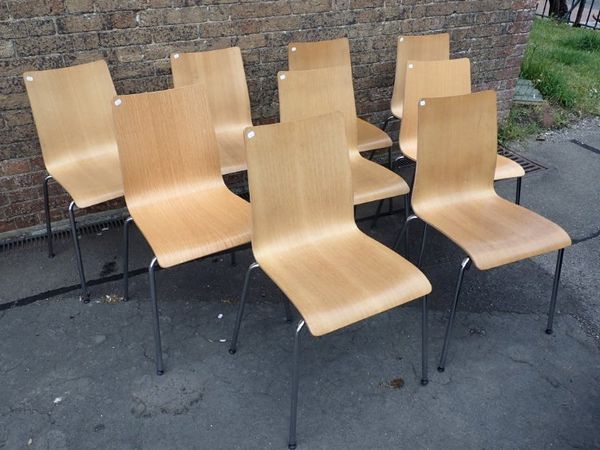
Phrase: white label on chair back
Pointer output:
(29, 78)
(422, 103)
(282, 76)
(118, 102)
(401, 39)
(293, 49)
(410, 66)
(251, 134)
(176, 56)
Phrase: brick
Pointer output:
(76, 24)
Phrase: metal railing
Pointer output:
(580, 13)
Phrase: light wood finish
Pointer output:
(305, 237)
(173, 184)
(331, 53)
(440, 79)
(73, 117)
(222, 74)
(306, 93)
(454, 185)
(430, 47)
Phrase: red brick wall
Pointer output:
(137, 36)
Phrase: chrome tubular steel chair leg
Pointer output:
(377, 213)
(288, 310)
(126, 258)
(85, 295)
(403, 231)
(238, 320)
(386, 122)
(233, 259)
(157, 343)
(295, 379)
(406, 216)
(518, 192)
(390, 162)
(423, 239)
(463, 266)
(424, 342)
(559, 260)
(48, 219)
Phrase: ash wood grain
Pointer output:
(307, 93)
(454, 185)
(305, 237)
(440, 79)
(430, 47)
(73, 117)
(172, 176)
(221, 72)
(331, 53)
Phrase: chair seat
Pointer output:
(505, 167)
(92, 180)
(371, 181)
(198, 223)
(370, 137)
(232, 151)
(494, 231)
(337, 281)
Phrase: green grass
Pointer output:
(564, 65)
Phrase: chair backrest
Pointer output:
(167, 144)
(308, 93)
(319, 54)
(457, 149)
(430, 47)
(222, 74)
(72, 111)
(427, 79)
(300, 182)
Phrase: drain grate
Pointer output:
(39, 238)
(527, 164)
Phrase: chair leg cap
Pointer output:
(291, 446)
(548, 330)
(85, 298)
(441, 369)
(232, 351)
(51, 255)
(424, 382)
(160, 372)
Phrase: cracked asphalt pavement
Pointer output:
(81, 376)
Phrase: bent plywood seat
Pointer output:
(174, 189)
(430, 47)
(305, 237)
(306, 93)
(222, 73)
(72, 113)
(331, 53)
(440, 79)
(454, 191)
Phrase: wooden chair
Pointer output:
(430, 47)
(222, 73)
(331, 53)
(306, 93)
(305, 238)
(454, 193)
(173, 184)
(442, 79)
(72, 114)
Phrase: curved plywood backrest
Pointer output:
(431, 47)
(309, 93)
(427, 79)
(167, 144)
(222, 74)
(72, 111)
(300, 182)
(457, 149)
(320, 54)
